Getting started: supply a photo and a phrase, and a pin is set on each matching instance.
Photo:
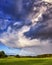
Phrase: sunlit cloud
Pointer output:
(48, 1)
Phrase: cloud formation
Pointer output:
(17, 39)
(29, 27)
(43, 28)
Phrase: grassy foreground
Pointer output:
(26, 61)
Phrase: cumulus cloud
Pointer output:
(34, 33)
(17, 39)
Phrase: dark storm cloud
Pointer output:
(43, 29)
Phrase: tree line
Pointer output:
(3, 55)
(38, 56)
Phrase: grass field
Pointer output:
(26, 61)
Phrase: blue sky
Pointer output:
(25, 27)
(8, 50)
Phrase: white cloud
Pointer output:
(50, 1)
(17, 39)
(34, 17)
(36, 50)
(17, 23)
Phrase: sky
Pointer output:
(26, 27)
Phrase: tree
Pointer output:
(17, 56)
(2, 54)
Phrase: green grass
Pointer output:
(26, 61)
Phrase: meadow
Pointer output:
(25, 61)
